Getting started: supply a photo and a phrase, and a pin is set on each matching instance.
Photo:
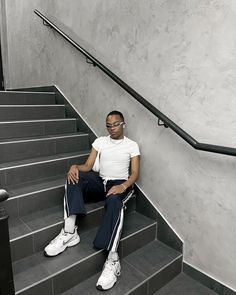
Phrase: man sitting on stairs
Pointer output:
(117, 156)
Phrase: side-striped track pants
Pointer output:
(91, 187)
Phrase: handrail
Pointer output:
(3, 195)
(167, 122)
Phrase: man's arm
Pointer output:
(134, 175)
(73, 174)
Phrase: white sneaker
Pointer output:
(61, 242)
(108, 278)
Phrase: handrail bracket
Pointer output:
(161, 123)
(46, 24)
(90, 62)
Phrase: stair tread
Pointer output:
(42, 159)
(38, 267)
(136, 268)
(42, 137)
(27, 224)
(36, 186)
(183, 284)
(41, 219)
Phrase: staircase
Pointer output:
(41, 136)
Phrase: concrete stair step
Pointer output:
(17, 172)
(24, 98)
(42, 146)
(183, 284)
(142, 271)
(37, 271)
(31, 128)
(31, 112)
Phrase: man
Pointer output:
(117, 156)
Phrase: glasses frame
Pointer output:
(114, 125)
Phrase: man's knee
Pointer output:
(113, 201)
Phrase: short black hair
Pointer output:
(116, 113)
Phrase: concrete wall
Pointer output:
(180, 55)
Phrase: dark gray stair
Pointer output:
(142, 272)
(35, 195)
(42, 146)
(18, 129)
(31, 112)
(83, 258)
(184, 285)
(23, 98)
(38, 144)
(17, 172)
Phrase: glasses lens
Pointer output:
(115, 125)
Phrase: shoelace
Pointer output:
(109, 266)
(59, 237)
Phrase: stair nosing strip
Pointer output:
(32, 92)
(35, 121)
(35, 231)
(151, 276)
(44, 138)
(46, 227)
(44, 161)
(35, 192)
(58, 272)
(31, 105)
(59, 222)
(72, 265)
(89, 256)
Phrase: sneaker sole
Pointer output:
(100, 288)
(70, 244)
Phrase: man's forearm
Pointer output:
(130, 181)
(83, 168)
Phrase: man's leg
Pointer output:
(108, 237)
(89, 185)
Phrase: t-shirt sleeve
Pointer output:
(97, 143)
(134, 151)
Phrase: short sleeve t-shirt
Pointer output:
(115, 156)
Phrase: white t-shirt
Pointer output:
(115, 156)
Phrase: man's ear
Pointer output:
(124, 125)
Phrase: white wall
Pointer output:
(180, 55)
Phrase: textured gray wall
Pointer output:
(180, 55)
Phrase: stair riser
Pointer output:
(38, 148)
(90, 266)
(83, 270)
(18, 207)
(9, 98)
(158, 280)
(25, 129)
(37, 241)
(31, 113)
(163, 277)
(37, 171)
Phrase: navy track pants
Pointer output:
(91, 187)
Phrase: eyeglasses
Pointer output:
(115, 125)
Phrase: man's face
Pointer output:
(114, 125)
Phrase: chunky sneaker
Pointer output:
(61, 242)
(108, 278)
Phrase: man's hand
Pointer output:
(116, 189)
(73, 175)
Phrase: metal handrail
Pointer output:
(167, 122)
(3, 195)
